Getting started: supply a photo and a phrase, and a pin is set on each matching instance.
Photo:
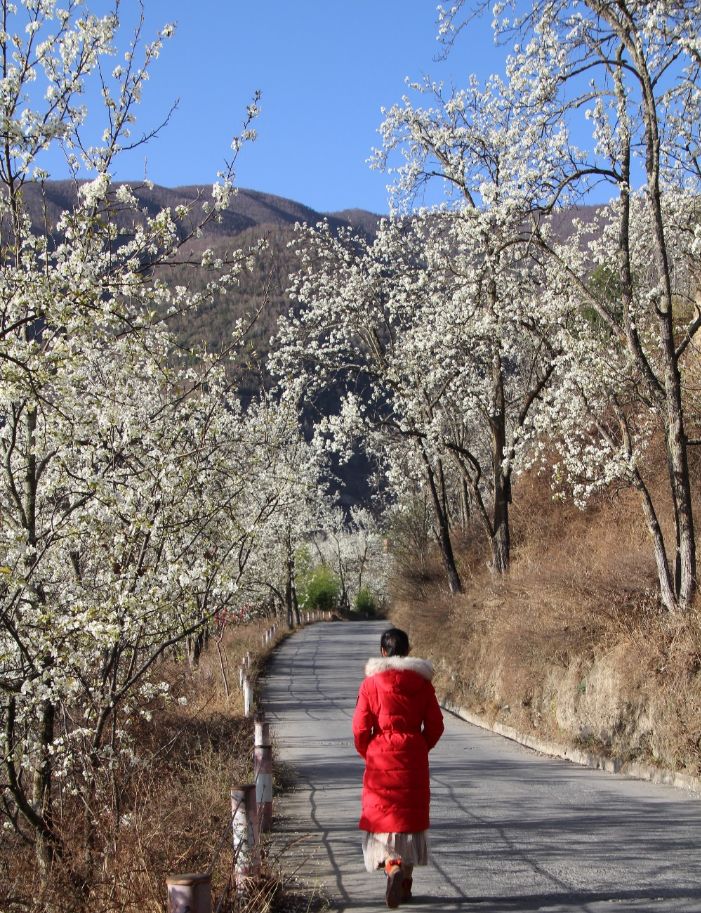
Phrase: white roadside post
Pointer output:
(244, 819)
(247, 697)
(263, 772)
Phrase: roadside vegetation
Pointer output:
(169, 809)
(573, 646)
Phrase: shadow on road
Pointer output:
(512, 832)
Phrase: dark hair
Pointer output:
(395, 642)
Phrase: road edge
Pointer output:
(590, 759)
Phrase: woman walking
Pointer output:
(397, 721)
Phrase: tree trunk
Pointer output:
(464, 506)
(500, 539)
(288, 599)
(678, 468)
(295, 604)
(664, 575)
(291, 603)
(42, 799)
(501, 534)
(42, 778)
(195, 647)
(443, 532)
(675, 435)
(673, 417)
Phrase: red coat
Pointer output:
(397, 721)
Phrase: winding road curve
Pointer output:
(512, 831)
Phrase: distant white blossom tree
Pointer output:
(434, 333)
(442, 321)
(353, 547)
(357, 301)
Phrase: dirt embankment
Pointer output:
(572, 647)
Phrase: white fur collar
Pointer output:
(382, 663)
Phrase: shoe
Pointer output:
(395, 879)
(406, 889)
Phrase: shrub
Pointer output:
(365, 602)
(321, 589)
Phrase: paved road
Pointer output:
(513, 831)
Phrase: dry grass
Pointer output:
(573, 644)
(171, 813)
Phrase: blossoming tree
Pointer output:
(442, 321)
(632, 70)
(135, 487)
(348, 337)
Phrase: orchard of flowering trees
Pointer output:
(139, 500)
(470, 337)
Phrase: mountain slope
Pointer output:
(249, 209)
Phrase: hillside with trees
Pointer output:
(251, 221)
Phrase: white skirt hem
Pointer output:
(411, 848)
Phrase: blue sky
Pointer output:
(325, 69)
